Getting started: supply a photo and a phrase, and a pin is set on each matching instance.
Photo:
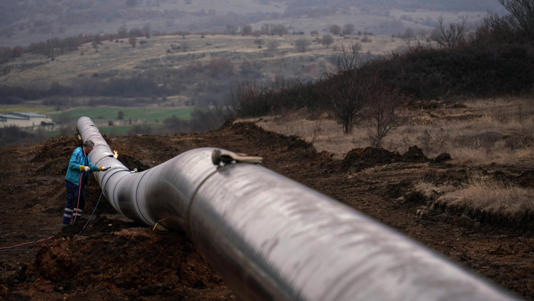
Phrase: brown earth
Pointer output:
(118, 259)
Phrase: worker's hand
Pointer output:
(102, 168)
(85, 168)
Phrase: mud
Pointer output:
(116, 259)
(358, 158)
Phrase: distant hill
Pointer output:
(25, 21)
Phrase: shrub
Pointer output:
(14, 135)
(302, 45)
(467, 71)
(347, 95)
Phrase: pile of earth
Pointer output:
(361, 158)
(131, 263)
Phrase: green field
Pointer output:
(116, 130)
(26, 108)
(112, 113)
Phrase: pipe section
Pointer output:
(272, 238)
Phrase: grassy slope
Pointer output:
(120, 59)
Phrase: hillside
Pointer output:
(24, 22)
(434, 142)
(115, 258)
(174, 72)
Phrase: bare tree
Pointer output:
(246, 30)
(408, 34)
(347, 97)
(279, 29)
(122, 32)
(348, 29)
(259, 42)
(522, 15)
(349, 58)
(273, 45)
(147, 32)
(302, 45)
(132, 40)
(266, 28)
(231, 29)
(95, 44)
(451, 36)
(136, 32)
(327, 40)
(383, 102)
(366, 38)
(334, 29)
(245, 100)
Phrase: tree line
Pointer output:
(497, 59)
(52, 48)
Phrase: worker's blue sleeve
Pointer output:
(93, 167)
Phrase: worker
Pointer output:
(75, 180)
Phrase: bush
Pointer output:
(202, 120)
(499, 60)
(468, 71)
(301, 45)
(515, 28)
(14, 135)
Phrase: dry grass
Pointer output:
(122, 59)
(480, 132)
(482, 199)
(491, 197)
(431, 191)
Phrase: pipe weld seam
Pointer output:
(111, 175)
(137, 207)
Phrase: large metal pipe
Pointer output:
(273, 238)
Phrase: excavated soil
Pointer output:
(117, 259)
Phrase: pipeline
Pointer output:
(272, 238)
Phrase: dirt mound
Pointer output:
(54, 155)
(294, 151)
(130, 263)
(56, 147)
(521, 221)
(359, 158)
(526, 179)
(414, 155)
(264, 138)
(362, 158)
(443, 157)
(485, 139)
(519, 140)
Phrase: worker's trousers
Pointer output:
(73, 208)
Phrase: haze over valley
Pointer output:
(26, 21)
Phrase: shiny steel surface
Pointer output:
(273, 238)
